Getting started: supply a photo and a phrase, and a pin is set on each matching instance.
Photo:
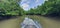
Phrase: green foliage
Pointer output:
(50, 7)
(10, 7)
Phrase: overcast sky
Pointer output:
(27, 4)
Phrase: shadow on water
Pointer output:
(6, 17)
(53, 16)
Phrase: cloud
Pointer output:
(27, 2)
(37, 1)
(24, 0)
(25, 6)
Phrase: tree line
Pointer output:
(50, 7)
(10, 7)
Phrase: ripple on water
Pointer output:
(29, 23)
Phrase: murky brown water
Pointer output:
(15, 23)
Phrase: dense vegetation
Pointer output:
(50, 7)
(10, 7)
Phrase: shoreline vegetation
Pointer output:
(12, 14)
(11, 8)
(6, 17)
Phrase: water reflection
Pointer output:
(29, 23)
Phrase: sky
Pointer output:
(27, 4)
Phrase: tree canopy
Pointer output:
(10, 7)
(50, 7)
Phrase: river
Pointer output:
(16, 22)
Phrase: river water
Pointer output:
(29, 23)
(33, 21)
